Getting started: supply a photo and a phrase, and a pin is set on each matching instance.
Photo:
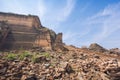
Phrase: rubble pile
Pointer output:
(69, 65)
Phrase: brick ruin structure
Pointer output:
(25, 31)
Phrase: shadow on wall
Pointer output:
(6, 44)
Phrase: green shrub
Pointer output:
(47, 55)
(11, 56)
(34, 58)
(23, 55)
(38, 58)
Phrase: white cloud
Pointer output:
(12, 6)
(41, 8)
(55, 14)
(103, 28)
(66, 11)
(108, 19)
(74, 38)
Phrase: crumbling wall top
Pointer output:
(20, 19)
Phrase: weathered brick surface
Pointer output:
(26, 31)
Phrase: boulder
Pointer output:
(97, 48)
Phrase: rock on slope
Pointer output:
(96, 47)
(75, 64)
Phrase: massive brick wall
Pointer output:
(27, 32)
